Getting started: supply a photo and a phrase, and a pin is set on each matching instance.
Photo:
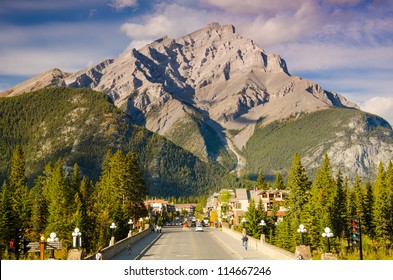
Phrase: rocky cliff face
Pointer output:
(213, 71)
(205, 91)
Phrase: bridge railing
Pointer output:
(110, 251)
(271, 250)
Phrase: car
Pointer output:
(199, 228)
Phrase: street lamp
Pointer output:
(302, 230)
(262, 224)
(244, 229)
(327, 234)
(112, 227)
(52, 238)
(131, 223)
(76, 238)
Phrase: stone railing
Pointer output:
(110, 251)
(271, 250)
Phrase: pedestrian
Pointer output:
(129, 249)
(99, 255)
(245, 241)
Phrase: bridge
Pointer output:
(178, 243)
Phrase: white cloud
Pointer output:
(172, 20)
(70, 46)
(122, 4)
(322, 56)
(255, 6)
(381, 106)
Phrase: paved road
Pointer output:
(175, 243)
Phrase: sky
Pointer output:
(346, 46)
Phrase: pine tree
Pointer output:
(368, 206)
(340, 219)
(119, 195)
(381, 210)
(7, 219)
(389, 190)
(359, 199)
(253, 220)
(18, 190)
(261, 183)
(56, 193)
(279, 183)
(39, 209)
(323, 193)
(299, 187)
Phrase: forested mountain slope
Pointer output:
(80, 126)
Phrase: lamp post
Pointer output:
(328, 234)
(112, 227)
(244, 229)
(131, 223)
(42, 247)
(76, 238)
(262, 224)
(52, 238)
(302, 230)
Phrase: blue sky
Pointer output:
(344, 45)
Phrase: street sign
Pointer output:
(54, 245)
(35, 246)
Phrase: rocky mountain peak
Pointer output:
(210, 84)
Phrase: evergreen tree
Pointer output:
(389, 197)
(57, 196)
(247, 183)
(368, 205)
(339, 212)
(19, 191)
(279, 183)
(253, 220)
(39, 209)
(261, 183)
(7, 219)
(323, 193)
(359, 199)
(381, 210)
(299, 187)
(119, 195)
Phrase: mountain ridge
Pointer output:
(213, 85)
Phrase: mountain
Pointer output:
(80, 126)
(212, 91)
(50, 78)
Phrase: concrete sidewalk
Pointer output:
(235, 245)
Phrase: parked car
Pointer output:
(199, 228)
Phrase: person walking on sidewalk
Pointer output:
(245, 241)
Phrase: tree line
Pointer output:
(330, 201)
(63, 199)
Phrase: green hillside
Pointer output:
(271, 148)
(81, 125)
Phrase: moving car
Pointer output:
(199, 228)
